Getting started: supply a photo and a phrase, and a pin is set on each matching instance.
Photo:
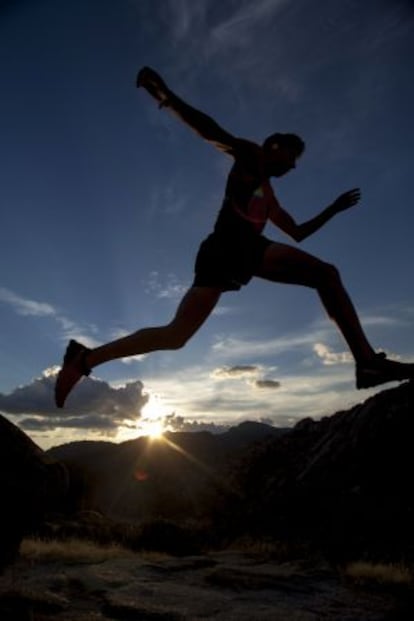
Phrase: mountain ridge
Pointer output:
(343, 482)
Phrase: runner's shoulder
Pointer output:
(247, 155)
(242, 148)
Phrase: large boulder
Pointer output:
(31, 484)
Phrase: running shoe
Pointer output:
(381, 370)
(73, 368)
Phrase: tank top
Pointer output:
(245, 214)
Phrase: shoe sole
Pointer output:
(369, 378)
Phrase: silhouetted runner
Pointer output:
(236, 251)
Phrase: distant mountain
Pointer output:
(173, 478)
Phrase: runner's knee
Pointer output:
(176, 338)
(328, 275)
(178, 342)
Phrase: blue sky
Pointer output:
(105, 200)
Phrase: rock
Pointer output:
(344, 481)
(31, 484)
(21, 603)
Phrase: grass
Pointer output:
(71, 550)
(275, 550)
(362, 572)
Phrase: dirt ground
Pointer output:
(227, 586)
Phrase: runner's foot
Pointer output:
(73, 368)
(381, 370)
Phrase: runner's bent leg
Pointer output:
(282, 263)
(193, 310)
(286, 264)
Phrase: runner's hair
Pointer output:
(289, 141)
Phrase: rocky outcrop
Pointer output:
(344, 481)
(30, 485)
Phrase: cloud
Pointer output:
(180, 423)
(168, 200)
(94, 404)
(222, 310)
(329, 357)
(25, 306)
(383, 320)
(189, 21)
(88, 422)
(184, 16)
(267, 383)
(246, 372)
(119, 334)
(72, 330)
(200, 399)
(233, 347)
(234, 372)
(215, 36)
(171, 289)
(249, 15)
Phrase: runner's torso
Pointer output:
(246, 204)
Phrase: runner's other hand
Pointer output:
(346, 200)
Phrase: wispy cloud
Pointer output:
(237, 21)
(168, 288)
(380, 319)
(214, 37)
(316, 338)
(241, 24)
(240, 348)
(185, 17)
(222, 310)
(25, 306)
(168, 200)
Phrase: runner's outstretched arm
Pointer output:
(282, 219)
(201, 123)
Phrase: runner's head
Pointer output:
(281, 152)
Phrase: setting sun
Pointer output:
(152, 422)
(153, 429)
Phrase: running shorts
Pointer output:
(228, 263)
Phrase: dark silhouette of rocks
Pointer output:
(31, 484)
(344, 482)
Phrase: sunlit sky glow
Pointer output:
(105, 200)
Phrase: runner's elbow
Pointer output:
(297, 234)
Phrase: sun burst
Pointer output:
(154, 429)
(152, 422)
